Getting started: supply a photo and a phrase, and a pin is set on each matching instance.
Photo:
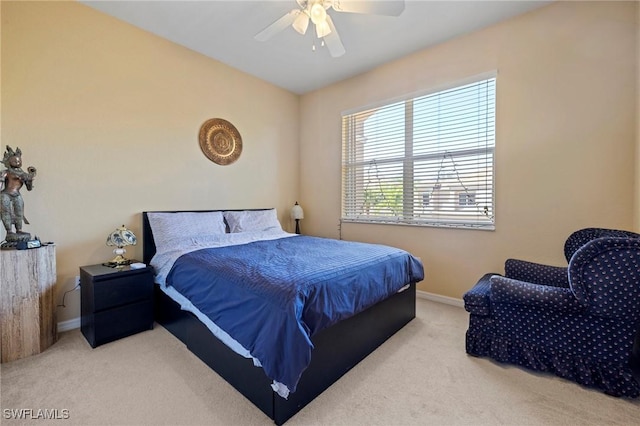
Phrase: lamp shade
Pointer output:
(297, 212)
(318, 14)
(301, 23)
(323, 29)
(121, 237)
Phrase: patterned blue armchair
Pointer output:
(579, 322)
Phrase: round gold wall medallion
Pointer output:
(220, 141)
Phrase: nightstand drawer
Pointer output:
(121, 322)
(126, 289)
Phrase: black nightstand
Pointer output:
(115, 302)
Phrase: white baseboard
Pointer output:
(69, 325)
(441, 299)
(75, 322)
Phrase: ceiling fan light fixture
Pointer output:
(318, 13)
(323, 29)
(301, 23)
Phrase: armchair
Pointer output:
(579, 322)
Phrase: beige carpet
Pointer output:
(421, 376)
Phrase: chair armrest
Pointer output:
(536, 273)
(509, 291)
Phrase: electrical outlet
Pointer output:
(77, 281)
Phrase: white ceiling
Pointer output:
(224, 30)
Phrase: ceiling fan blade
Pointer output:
(332, 40)
(278, 26)
(374, 7)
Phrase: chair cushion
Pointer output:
(476, 300)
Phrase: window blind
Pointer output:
(424, 160)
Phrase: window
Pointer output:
(466, 199)
(425, 160)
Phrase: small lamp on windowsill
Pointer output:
(120, 238)
(297, 213)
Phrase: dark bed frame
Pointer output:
(336, 349)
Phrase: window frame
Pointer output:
(408, 215)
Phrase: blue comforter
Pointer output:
(273, 296)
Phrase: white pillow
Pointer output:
(252, 220)
(168, 228)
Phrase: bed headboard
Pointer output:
(149, 244)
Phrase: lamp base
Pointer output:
(118, 264)
(119, 260)
(297, 226)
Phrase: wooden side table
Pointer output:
(27, 301)
(115, 302)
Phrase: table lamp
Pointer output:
(120, 238)
(297, 213)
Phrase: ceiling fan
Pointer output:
(316, 12)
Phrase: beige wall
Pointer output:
(565, 138)
(110, 114)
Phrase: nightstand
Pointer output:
(116, 302)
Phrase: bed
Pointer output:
(320, 346)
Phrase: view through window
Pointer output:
(425, 160)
